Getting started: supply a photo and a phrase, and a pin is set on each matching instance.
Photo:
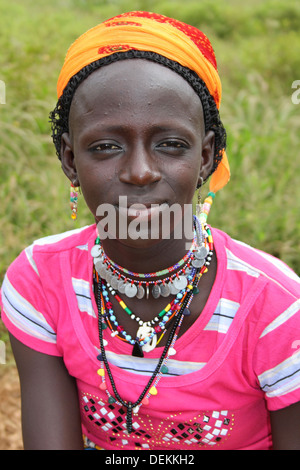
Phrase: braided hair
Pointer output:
(59, 117)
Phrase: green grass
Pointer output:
(257, 47)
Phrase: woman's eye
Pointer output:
(173, 146)
(105, 147)
(109, 146)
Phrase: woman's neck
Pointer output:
(141, 256)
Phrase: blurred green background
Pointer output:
(257, 44)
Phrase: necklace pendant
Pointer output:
(114, 282)
(156, 291)
(98, 262)
(173, 289)
(151, 345)
(145, 332)
(202, 252)
(198, 263)
(140, 292)
(99, 266)
(147, 292)
(165, 290)
(108, 277)
(121, 286)
(130, 290)
(137, 350)
(135, 410)
(172, 351)
(180, 282)
(96, 251)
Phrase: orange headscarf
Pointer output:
(145, 31)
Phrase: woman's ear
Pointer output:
(67, 159)
(208, 154)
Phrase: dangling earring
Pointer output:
(198, 203)
(73, 200)
(206, 206)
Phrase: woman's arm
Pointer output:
(50, 408)
(285, 426)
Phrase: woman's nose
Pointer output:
(140, 168)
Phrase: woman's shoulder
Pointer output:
(244, 260)
(64, 241)
(43, 252)
(33, 286)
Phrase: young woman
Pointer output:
(149, 329)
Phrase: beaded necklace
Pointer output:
(123, 280)
(123, 271)
(146, 337)
(99, 252)
(161, 368)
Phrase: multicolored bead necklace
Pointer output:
(146, 337)
(161, 367)
(123, 280)
(119, 269)
(182, 302)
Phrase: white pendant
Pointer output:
(180, 282)
(98, 262)
(130, 290)
(165, 290)
(142, 333)
(114, 282)
(121, 286)
(156, 291)
(172, 352)
(173, 289)
(202, 252)
(140, 292)
(198, 263)
(96, 251)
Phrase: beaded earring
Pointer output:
(202, 210)
(198, 203)
(73, 200)
(206, 206)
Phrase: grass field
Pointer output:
(257, 45)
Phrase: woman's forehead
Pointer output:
(134, 82)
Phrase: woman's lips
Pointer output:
(142, 211)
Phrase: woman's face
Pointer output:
(137, 131)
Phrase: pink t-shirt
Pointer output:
(240, 359)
